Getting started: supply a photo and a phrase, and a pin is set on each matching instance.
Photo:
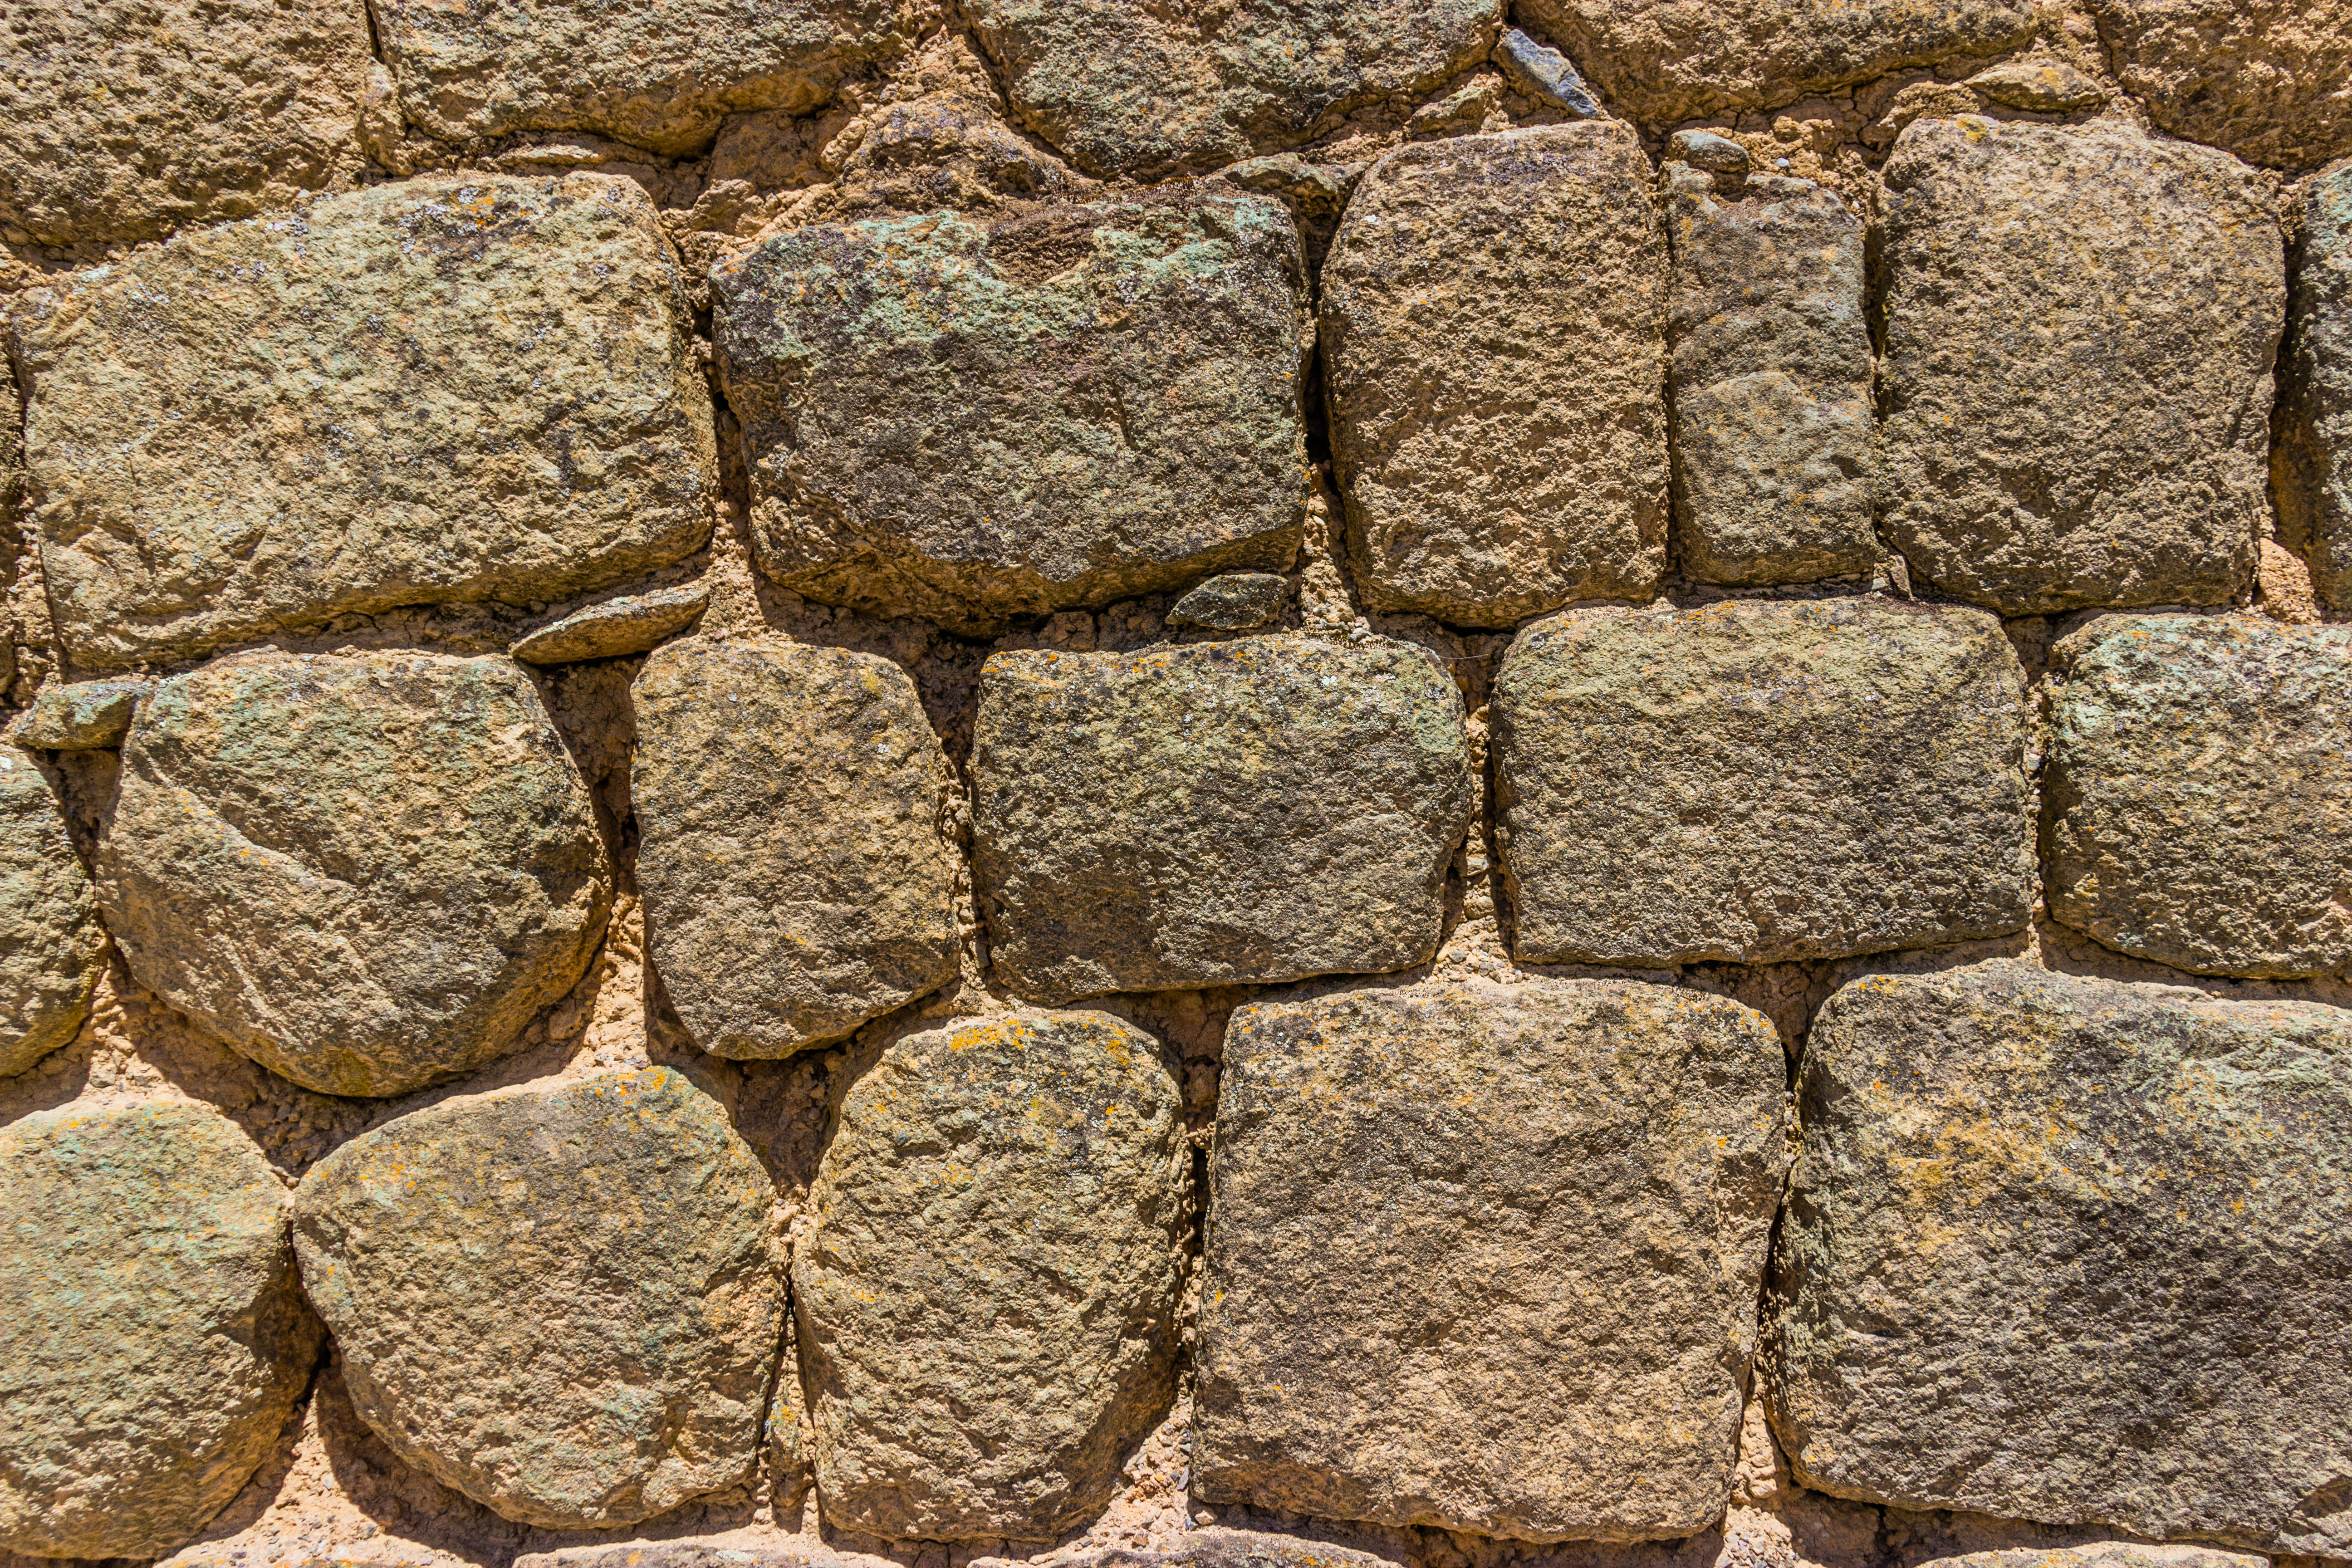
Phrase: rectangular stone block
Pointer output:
(1231, 812)
(448, 388)
(1486, 1256)
(2076, 1251)
(974, 421)
(2200, 800)
(1759, 781)
(1491, 311)
(2312, 461)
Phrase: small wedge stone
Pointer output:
(1544, 74)
(615, 627)
(80, 716)
(1232, 603)
(51, 948)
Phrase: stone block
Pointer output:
(988, 1302)
(1485, 1257)
(2271, 80)
(1774, 471)
(977, 420)
(448, 388)
(2072, 1250)
(616, 628)
(789, 804)
(1231, 812)
(1497, 374)
(2080, 327)
(1762, 782)
(2311, 464)
(51, 948)
(2198, 801)
(564, 1300)
(367, 873)
(153, 1339)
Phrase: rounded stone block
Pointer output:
(51, 948)
(2271, 80)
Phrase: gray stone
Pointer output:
(617, 627)
(153, 1339)
(2072, 1250)
(2312, 463)
(988, 1301)
(788, 803)
(367, 873)
(564, 1300)
(2107, 305)
(1762, 782)
(78, 716)
(2269, 79)
(2199, 792)
(1705, 149)
(1497, 374)
(1771, 376)
(1229, 812)
(1486, 1256)
(1544, 74)
(973, 421)
(51, 948)
(1234, 601)
(448, 388)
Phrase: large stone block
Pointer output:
(448, 388)
(2080, 327)
(1491, 311)
(1486, 1256)
(988, 1302)
(1232, 813)
(124, 120)
(788, 803)
(1147, 91)
(51, 948)
(153, 1339)
(1774, 470)
(2072, 1250)
(366, 873)
(2198, 803)
(564, 1300)
(2269, 79)
(1762, 782)
(975, 421)
(2312, 462)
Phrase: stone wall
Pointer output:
(1306, 784)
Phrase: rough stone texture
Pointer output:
(365, 872)
(2072, 1250)
(1240, 811)
(2269, 79)
(1486, 1256)
(2312, 460)
(2038, 85)
(51, 948)
(1762, 782)
(661, 77)
(2081, 321)
(973, 421)
(1234, 601)
(1496, 376)
(1666, 60)
(124, 120)
(1145, 90)
(987, 1305)
(789, 801)
(151, 1335)
(564, 1300)
(435, 390)
(617, 627)
(1771, 376)
(2104, 1554)
(2198, 799)
(1544, 74)
(80, 716)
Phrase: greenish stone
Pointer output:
(1234, 601)
(78, 716)
(2312, 462)
(51, 948)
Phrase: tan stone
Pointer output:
(2269, 79)
(78, 716)
(631, 624)
(1497, 374)
(51, 948)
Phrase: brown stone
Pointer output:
(2269, 79)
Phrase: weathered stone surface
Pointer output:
(151, 1336)
(2040, 85)
(788, 803)
(2269, 79)
(1705, 149)
(663, 78)
(1544, 74)
(2104, 1554)
(1491, 312)
(974, 421)
(1772, 375)
(446, 388)
(564, 1300)
(2198, 798)
(1486, 1256)
(50, 945)
(2096, 310)
(366, 873)
(617, 627)
(2072, 1250)
(1762, 782)
(124, 120)
(2312, 462)
(1229, 812)
(1234, 601)
(1147, 91)
(78, 716)
(987, 1305)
